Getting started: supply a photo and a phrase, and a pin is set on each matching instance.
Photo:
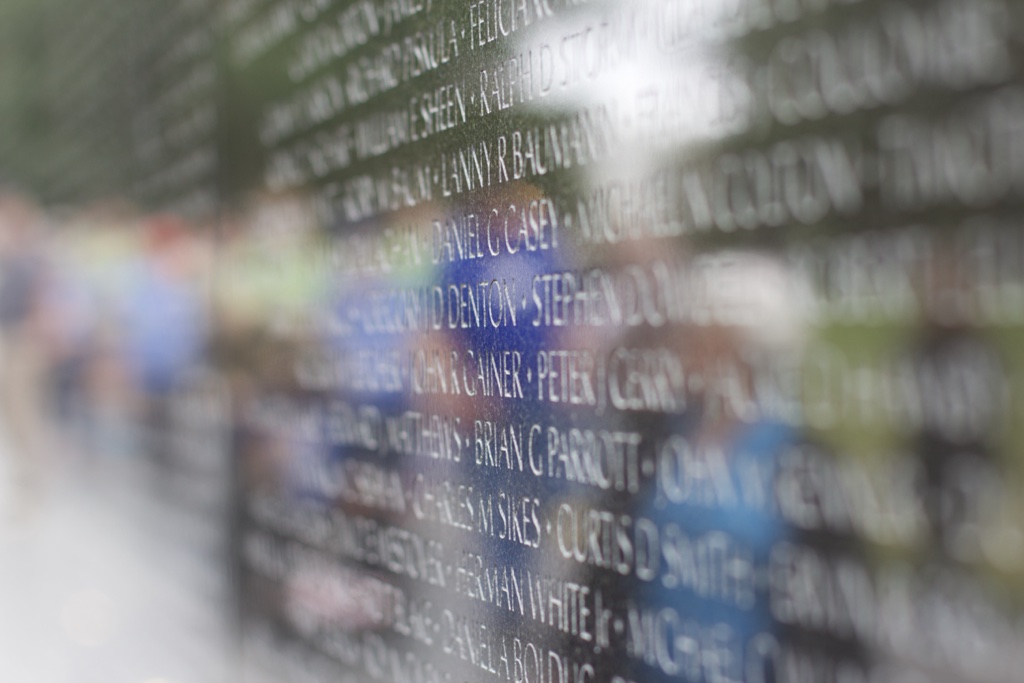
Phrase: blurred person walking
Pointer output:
(25, 332)
(165, 329)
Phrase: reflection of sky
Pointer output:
(664, 67)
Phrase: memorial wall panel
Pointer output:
(657, 341)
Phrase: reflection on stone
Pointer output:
(563, 341)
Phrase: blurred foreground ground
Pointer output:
(109, 580)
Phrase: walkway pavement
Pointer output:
(112, 582)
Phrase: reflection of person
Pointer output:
(463, 404)
(740, 317)
(957, 458)
(75, 312)
(719, 462)
(23, 324)
(960, 381)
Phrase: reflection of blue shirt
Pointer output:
(717, 537)
(524, 337)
